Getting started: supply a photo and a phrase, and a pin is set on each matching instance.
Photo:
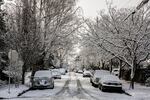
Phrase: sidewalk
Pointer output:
(139, 91)
(13, 91)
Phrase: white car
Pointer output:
(80, 71)
(56, 74)
(62, 71)
(43, 79)
(115, 71)
(97, 75)
(110, 82)
(86, 73)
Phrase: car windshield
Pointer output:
(110, 78)
(99, 73)
(43, 74)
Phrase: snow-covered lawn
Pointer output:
(13, 91)
(139, 91)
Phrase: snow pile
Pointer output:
(13, 91)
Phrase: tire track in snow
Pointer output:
(84, 92)
(65, 87)
(73, 89)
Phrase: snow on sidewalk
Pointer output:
(13, 91)
(139, 90)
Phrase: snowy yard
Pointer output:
(13, 91)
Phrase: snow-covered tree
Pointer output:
(127, 40)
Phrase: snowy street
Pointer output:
(75, 49)
(73, 86)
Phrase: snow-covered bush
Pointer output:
(147, 82)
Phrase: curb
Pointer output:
(23, 92)
(2, 98)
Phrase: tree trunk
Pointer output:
(132, 84)
(120, 68)
(110, 68)
(133, 73)
(23, 73)
(61, 63)
(103, 64)
(32, 74)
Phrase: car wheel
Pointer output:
(99, 86)
(92, 83)
(52, 87)
(102, 89)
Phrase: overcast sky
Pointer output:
(91, 7)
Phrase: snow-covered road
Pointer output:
(74, 87)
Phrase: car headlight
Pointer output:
(35, 79)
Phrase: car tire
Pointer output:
(102, 89)
(92, 83)
(52, 87)
(99, 86)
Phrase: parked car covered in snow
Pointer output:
(97, 75)
(43, 79)
(62, 71)
(86, 73)
(56, 74)
(80, 71)
(115, 71)
(110, 82)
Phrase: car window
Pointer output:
(110, 78)
(43, 74)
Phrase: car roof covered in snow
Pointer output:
(110, 78)
(100, 73)
(43, 73)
